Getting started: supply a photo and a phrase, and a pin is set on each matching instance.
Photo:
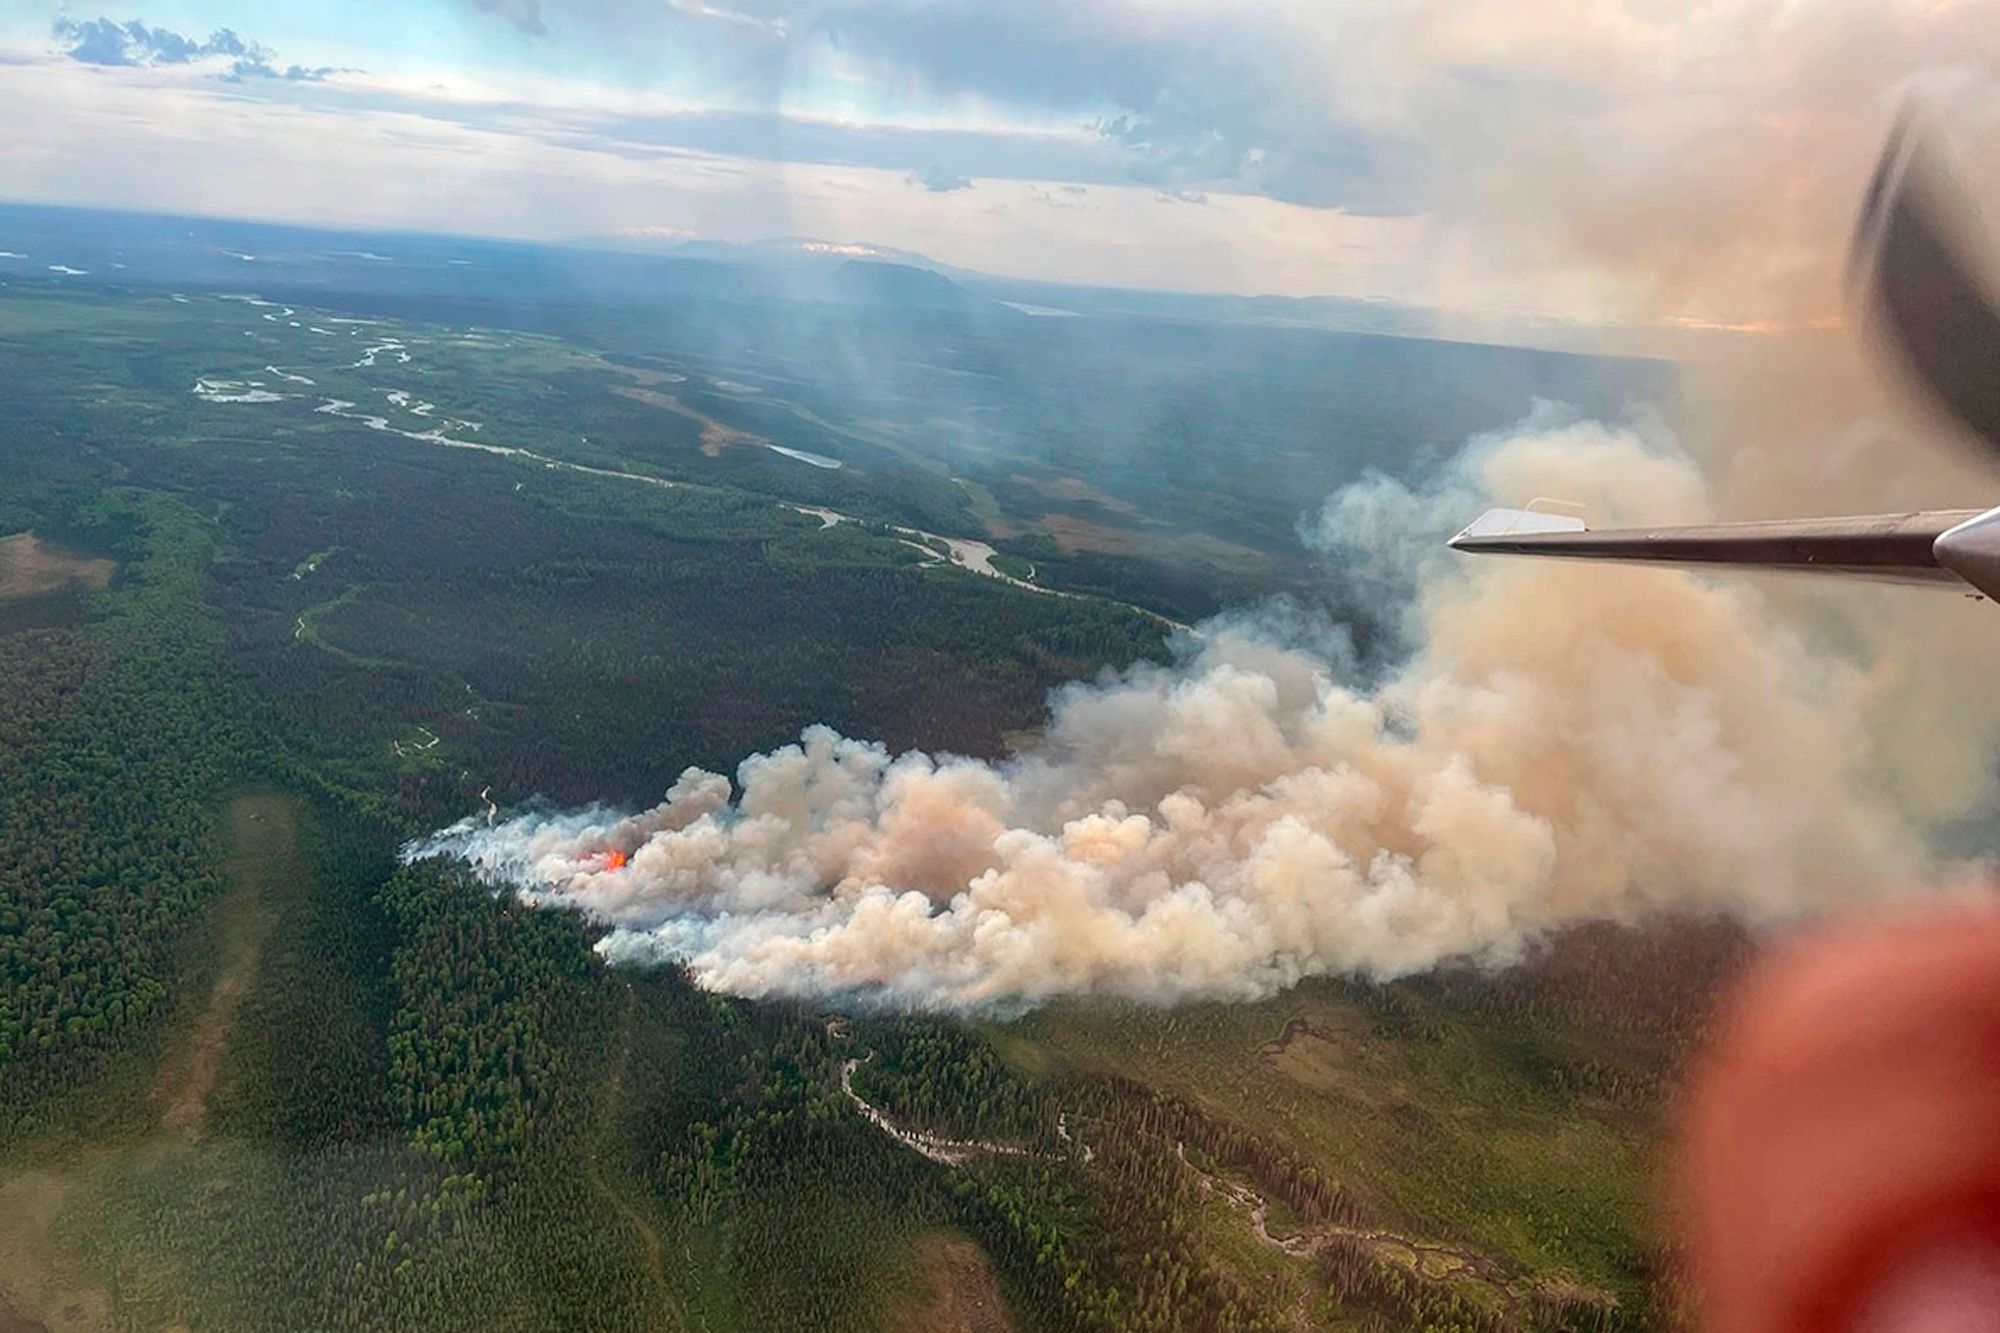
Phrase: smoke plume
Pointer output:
(1560, 743)
(1563, 744)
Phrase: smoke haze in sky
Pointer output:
(1596, 160)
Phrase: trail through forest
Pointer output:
(46, 1284)
(263, 840)
(610, 1106)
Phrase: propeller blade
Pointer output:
(1914, 255)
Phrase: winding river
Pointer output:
(973, 556)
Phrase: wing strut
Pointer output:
(1897, 548)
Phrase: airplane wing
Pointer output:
(1896, 548)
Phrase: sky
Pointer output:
(1593, 159)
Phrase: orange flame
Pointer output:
(614, 860)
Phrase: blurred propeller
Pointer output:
(1914, 267)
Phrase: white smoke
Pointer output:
(1564, 743)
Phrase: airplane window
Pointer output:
(923, 665)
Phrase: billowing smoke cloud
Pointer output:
(1560, 743)
(1564, 744)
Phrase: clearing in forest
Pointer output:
(263, 839)
(47, 1285)
(30, 567)
(715, 435)
(961, 1295)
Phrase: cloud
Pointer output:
(259, 68)
(1203, 97)
(653, 234)
(1608, 162)
(1490, 119)
(939, 181)
(103, 41)
(1187, 97)
(525, 15)
(1061, 197)
(777, 27)
(342, 153)
(791, 135)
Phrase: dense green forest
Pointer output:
(255, 1072)
(117, 739)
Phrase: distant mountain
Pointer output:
(870, 274)
(805, 251)
(649, 268)
(898, 286)
(852, 273)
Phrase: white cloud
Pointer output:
(523, 14)
(777, 27)
(164, 136)
(652, 232)
(1594, 158)
(1601, 157)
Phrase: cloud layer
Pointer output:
(524, 15)
(1597, 160)
(1460, 108)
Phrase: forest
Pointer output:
(256, 1071)
(116, 739)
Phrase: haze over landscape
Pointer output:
(791, 665)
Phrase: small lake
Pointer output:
(817, 460)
